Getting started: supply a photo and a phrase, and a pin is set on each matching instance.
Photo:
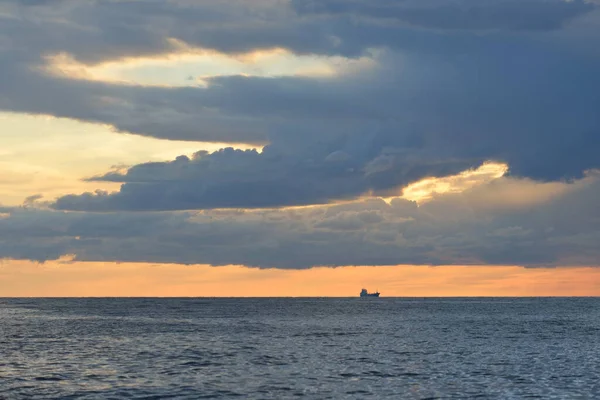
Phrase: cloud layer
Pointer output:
(247, 179)
(505, 222)
(461, 15)
(417, 89)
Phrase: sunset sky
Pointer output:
(299, 147)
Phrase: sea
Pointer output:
(313, 348)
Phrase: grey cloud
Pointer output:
(381, 163)
(337, 156)
(350, 220)
(247, 179)
(99, 30)
(94, 31)
(517, 112)
(163, 113)
(437, 101)
(480, 107)
(30, 200)
(462, 14)
(465, 228)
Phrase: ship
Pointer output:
(364, 293)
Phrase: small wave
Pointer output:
(49, 378)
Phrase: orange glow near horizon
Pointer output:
(98, 279)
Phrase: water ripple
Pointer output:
(287, 348)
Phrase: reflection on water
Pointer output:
(283, 348)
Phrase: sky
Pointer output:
(299, 147)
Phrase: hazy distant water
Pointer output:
(285, 348)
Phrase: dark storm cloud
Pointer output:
(509, 221)
(501, 80)
(523, 111)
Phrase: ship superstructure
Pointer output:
(365, 293)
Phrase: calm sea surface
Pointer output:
(313, 348)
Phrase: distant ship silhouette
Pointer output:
(364, 293)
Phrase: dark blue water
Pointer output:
(312, 348)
